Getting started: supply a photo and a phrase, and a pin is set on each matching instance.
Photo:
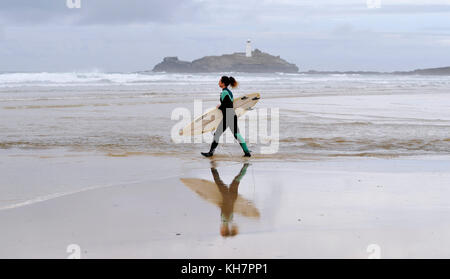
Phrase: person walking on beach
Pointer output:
(229, 118)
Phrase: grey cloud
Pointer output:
(135, 11)
(44, 35)
(2, 33)
(24, 12)
(360, 9)
(411, 9)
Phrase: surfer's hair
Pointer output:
(229, 81)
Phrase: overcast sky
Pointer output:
(133, 35)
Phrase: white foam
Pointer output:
(99, 78)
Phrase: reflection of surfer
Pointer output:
(229, 196)
(229, 118)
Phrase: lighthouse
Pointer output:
(248, 49)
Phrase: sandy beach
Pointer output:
(87, 161)
(138, 207)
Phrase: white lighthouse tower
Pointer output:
(248, 49)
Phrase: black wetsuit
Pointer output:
(229, 120)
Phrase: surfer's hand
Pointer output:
(218, 106)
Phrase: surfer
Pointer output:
(229, 118)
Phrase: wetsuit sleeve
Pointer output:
(225, 103)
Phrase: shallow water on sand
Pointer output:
(148, 207)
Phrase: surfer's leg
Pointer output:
(235, 184)
(219, 131)
(220, 184)
(215, 142)
(235, 129)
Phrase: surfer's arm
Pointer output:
(225, 103)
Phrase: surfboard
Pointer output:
(208, 191)
(209, 121)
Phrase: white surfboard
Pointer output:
(209, 121)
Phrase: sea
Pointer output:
(318, 116)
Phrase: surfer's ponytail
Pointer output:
(229, 81)
(233, 82)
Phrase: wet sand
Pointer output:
(139, 207)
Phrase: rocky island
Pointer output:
(443, 71)
(256, 62)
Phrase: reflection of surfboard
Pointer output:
(208, 121)
(208, 190)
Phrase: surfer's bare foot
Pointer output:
(207, 154)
